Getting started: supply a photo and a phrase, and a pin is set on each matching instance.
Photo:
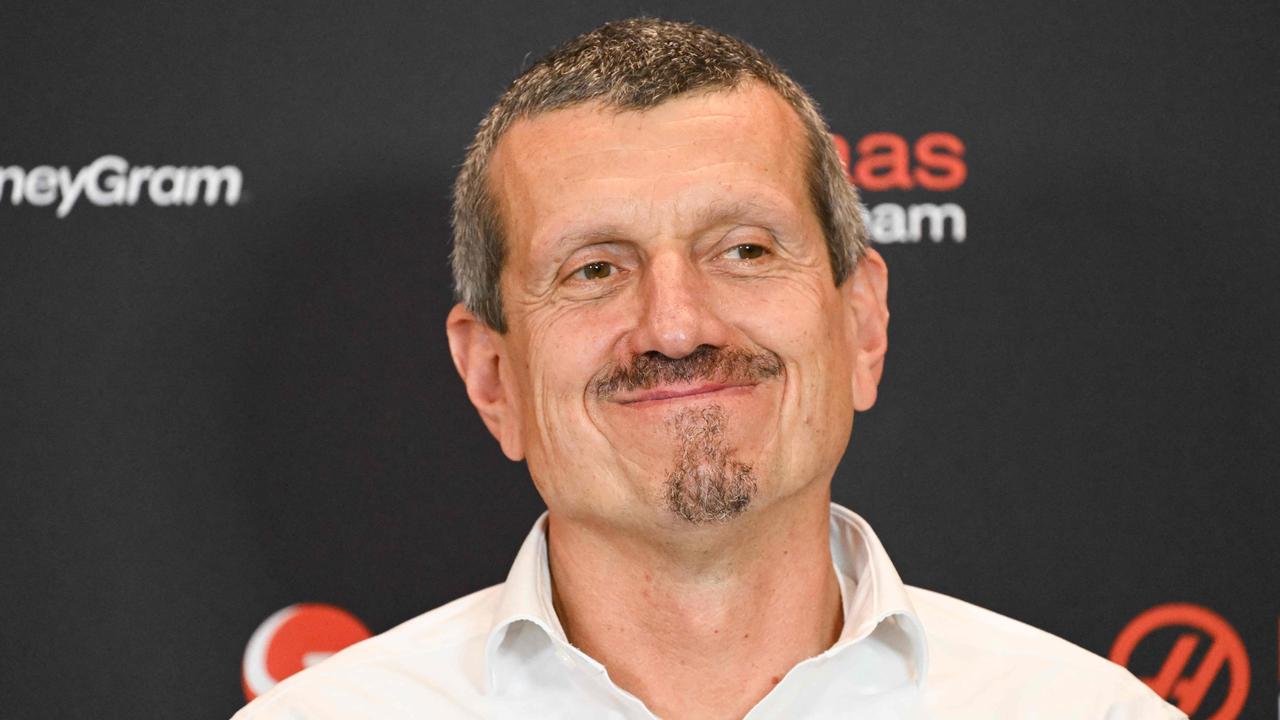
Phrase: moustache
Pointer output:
(707, 362)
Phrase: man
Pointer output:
(670, 312)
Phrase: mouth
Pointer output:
(674, 392)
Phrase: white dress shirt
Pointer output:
(903, 653)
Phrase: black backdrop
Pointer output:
(210, 412)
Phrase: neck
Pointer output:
(701, 623)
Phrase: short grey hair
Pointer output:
(635, 64)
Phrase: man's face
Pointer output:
(677, 350)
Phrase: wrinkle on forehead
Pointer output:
(589, 169)
(599, 125)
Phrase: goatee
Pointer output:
(706, 483)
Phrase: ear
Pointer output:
(479, 355)
(866, 291)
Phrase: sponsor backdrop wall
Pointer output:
(225, 391)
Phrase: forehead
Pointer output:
(590, 163)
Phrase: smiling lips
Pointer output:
(672, 392)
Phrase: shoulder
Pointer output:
(430, 666)
(995, 661)
(956, 626)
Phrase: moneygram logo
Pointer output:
(293, 639)
(110, 181)
(885, 162)
(1199, 647)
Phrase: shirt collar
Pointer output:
(874, 597)
(525, 601)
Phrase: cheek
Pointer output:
(567, 451)
(565, 351)
(802, 321)
(796, 318)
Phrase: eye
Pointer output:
(746, 251)
(594, 271)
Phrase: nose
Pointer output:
(679, 311)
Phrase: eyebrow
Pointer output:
(720, 210)
(564, 244)
(708, 215)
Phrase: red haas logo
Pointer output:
(885, 162)
(1177, 679)
(294, 638)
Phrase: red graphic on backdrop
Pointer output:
(1176, 681)
(294, 638)
(886, 162)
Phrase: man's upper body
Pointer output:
(902, 653)
(669, 311)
